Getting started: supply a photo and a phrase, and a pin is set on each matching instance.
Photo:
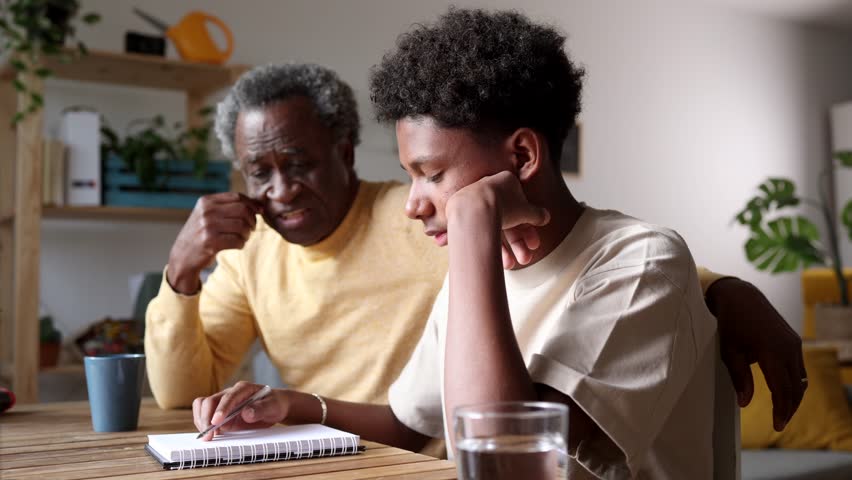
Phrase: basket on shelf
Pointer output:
(180, 187)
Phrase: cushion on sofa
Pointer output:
(823, 420)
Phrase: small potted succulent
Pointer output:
(50, 342)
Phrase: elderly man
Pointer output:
(309, 262)
(326, 270)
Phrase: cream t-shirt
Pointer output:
(614, 318)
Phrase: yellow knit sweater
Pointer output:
(339, 318)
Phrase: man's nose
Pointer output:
(283, 189)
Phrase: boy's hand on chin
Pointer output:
(502, 198)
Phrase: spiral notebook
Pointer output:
(182, 450)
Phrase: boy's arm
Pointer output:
(372, 422)
(480, 341)
(483, 362)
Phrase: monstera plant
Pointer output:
(784, 239)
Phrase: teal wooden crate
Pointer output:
(180, 190)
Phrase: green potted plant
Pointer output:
(150, 140)
(50, 342)
(33, 29)
(784, 240)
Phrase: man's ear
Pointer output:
(347, 153)
(527, 150)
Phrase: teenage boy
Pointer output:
(596, 310)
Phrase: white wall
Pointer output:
(841, 139)
(687, 108)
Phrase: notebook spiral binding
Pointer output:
(288, 450)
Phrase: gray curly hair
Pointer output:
(333, 99)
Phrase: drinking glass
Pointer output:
(512, 440)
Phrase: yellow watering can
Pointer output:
(191, 37)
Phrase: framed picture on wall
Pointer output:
(571, 159)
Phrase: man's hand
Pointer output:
(502, 194)
(751, 330)
(263, 413)
(218, 222)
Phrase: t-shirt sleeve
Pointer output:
(624, 350)
(415, 396)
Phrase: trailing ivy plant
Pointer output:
(150, 140)
(31, 30)
(782, 242)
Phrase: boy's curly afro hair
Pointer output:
(489, 72)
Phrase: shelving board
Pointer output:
(146, 71)
(117, 214)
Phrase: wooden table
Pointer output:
(56, 441)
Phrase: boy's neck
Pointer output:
(564, 209)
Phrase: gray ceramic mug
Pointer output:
(115, 390)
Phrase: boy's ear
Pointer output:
(527, 148)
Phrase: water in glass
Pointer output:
(513, 457)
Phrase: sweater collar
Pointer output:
(352, 222)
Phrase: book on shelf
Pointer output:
(53, 172)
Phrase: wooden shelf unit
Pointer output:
(21, 211)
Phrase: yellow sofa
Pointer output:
(820, 286)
